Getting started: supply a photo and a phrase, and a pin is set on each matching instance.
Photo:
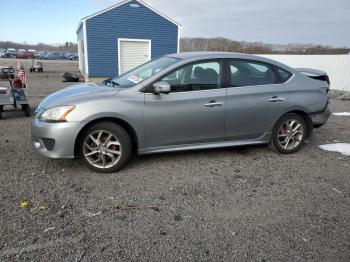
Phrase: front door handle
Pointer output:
(213, 103)
(276, 99)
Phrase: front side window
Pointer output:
(194, 77)
(251, 73)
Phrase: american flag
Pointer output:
(22, 75)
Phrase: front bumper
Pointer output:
(321, 118)
(55, 140)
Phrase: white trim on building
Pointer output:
(133, 40)
(178, 39)
(79, 54)
(125, 2)
(86, 52)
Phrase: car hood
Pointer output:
(78, 93)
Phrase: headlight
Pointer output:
(56, 114)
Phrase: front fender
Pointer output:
(128, 111)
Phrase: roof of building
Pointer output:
(122, 3)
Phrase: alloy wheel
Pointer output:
(290, 134)
(102, 149)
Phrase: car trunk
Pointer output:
(314, 74)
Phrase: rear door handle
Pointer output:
(213, 103)
(276, 99)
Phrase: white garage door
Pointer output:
(133, 53)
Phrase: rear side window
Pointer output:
(251, 73)
(283, 75)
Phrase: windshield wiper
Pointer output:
(114, 83)
(110, 82)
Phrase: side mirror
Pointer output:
(161, 87)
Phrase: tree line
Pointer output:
(66, 47)
(227, 45)
(206, 44)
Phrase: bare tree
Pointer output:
(223, 44)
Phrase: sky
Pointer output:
(271, 21)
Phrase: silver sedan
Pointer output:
(184, 101)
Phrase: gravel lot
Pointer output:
(235, 204)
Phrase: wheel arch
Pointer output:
(128, 128)
(305, 116)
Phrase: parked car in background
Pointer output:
(65, 55)
(183, 101)
(9, 53)
(73, 57)
(53, 56)
(41, 54)
(31, 53)
(25, 55)
(36, 54)
(12, 50)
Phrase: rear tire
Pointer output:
(105, 147)
(1, 110)
(289, 134)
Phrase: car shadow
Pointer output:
(15, 113)
(138, 160)
(143, 161)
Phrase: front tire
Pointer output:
(289, 134)
(105, 147)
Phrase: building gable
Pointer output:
(137, 2)
(131, 19)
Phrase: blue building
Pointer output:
(123, 36)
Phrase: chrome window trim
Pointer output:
(195, 60)
(240, 87)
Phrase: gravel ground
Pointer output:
(235, 204)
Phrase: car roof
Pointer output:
(193, 56)
(200, 55)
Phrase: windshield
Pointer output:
(143, 72)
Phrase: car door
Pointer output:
(193, 111)
(256, 98)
